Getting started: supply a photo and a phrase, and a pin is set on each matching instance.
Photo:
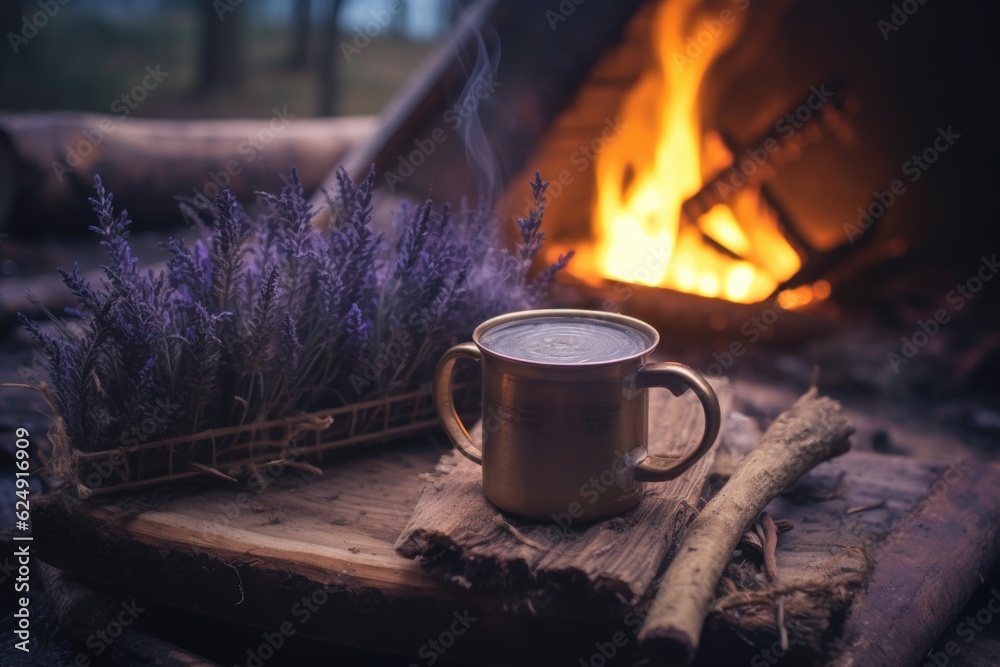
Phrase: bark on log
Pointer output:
(811, 431)
(925, 572)
(147, 163)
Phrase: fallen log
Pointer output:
(932, 562)
(48, 162)
(94, 619)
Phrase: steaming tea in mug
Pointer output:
(565, 403)
(564, 340)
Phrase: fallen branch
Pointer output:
(811, 431)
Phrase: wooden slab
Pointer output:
(455, 532)
(252, 557)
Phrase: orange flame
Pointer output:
(736, 250)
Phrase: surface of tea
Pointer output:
(564, 340)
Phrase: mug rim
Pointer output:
(633, 323)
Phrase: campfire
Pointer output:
(674, 205)
(643, 234)
(246, 421)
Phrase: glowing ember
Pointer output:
(736, 250)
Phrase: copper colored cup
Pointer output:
(569, 438)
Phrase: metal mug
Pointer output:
(569, 438)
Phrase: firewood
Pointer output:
(927, 569)
(811, 431)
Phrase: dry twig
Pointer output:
(811, 431)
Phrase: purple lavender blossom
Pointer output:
(267, 316)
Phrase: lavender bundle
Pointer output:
(266, 316)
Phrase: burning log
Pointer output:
(781, 145)
(811, 431)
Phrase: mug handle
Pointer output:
(678, 378)
(445, 403)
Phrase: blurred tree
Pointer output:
(399, 20)
(221, 58)
(10, 24)
(300, 35)
(327, 65)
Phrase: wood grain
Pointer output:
(457, 533)
(931, 563)
(248, 557)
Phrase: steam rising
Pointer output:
(476, 104)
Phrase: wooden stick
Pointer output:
(811, 431)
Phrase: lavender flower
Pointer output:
(531, 234)
(266, 316)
